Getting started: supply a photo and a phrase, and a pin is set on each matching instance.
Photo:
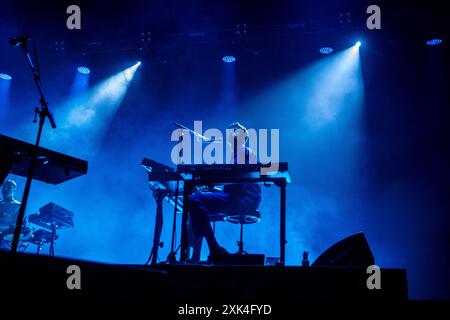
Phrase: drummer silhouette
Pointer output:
(9, 207)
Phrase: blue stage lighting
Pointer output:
(326, 50)
(358, 44)
(84, 70)
(129, 73)
(434, 42)
(229, 59)
(92, 108)
(5, 76)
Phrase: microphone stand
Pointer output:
(196, 134)
(43, 112)
(171, 258)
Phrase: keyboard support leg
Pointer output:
(184, 220)
(282, 186)
(159, 196)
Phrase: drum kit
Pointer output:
(28, 235)
(50, 218)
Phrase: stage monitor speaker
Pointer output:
(353, 251)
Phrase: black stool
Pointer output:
(241, 219)
(215, 217)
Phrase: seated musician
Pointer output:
(233, 198)
(9, 207)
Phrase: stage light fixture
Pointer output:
(358, 44)
(229, 59)
(5, 76)
(326, 50)
(84, 70)
(434, 42)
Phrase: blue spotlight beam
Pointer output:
(337, 80)
(80, 84)
(228, 92)
(86, 114)
(5, 85)
(320, 112)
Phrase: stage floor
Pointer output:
(41, 276)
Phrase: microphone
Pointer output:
(197, 135)
(179, 125)
(18, 41)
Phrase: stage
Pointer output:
(41, 277)
(199, 153)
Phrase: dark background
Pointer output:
(385, 173)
